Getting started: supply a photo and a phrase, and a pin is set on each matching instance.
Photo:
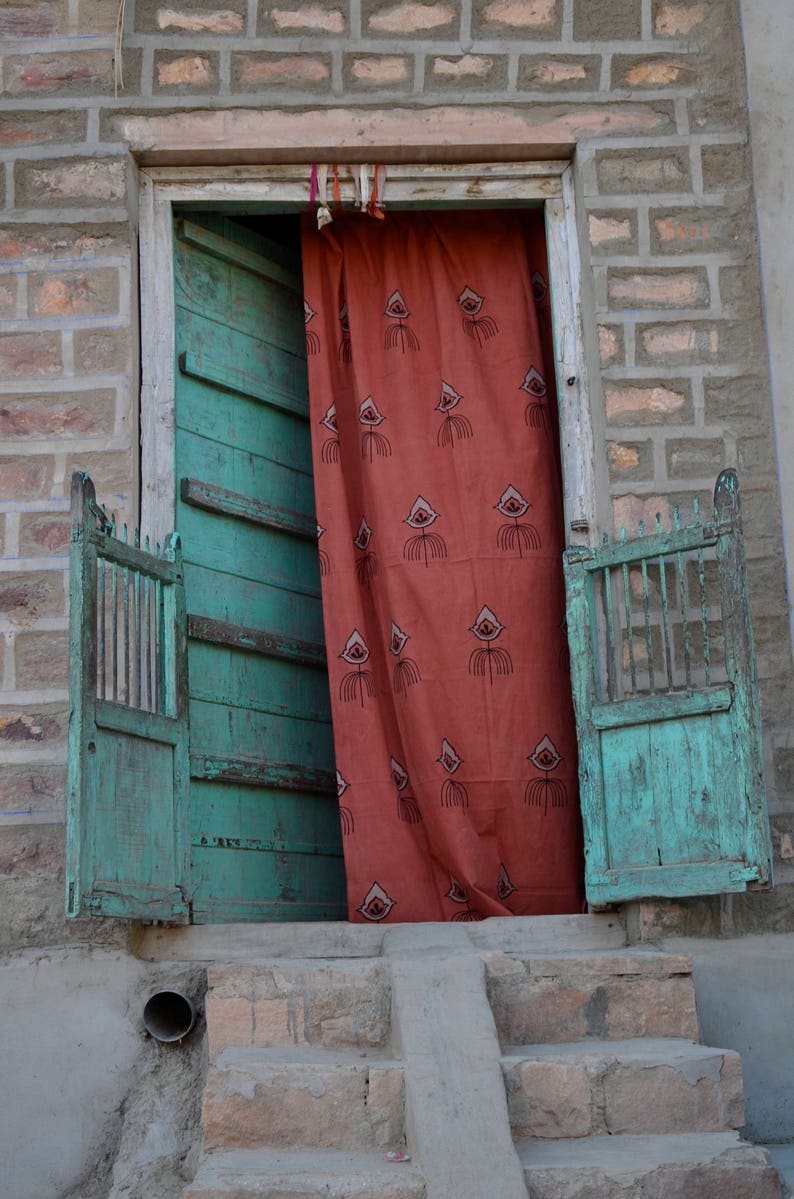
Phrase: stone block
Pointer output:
(630, 460)
(97, 18)
(740, 401)
(559, 72)
(185, 74)
(726, 168)
(259, 71)
(613, 231)
(74, 293)
(27, 595)
(102, 351)
(622, 172)
(53, 183)
(696, 458)
(611, 348)
(113, 471)
(675, 19)
(42, 660)
(25, 478)
(740, 290)
(30, 355)
(486, 72)
(44, 533)
(52, 242)
(8, 296)
(680, 343)
(629, 289)
(27, 726)
(386, 1104)
(206, 17)
(648, 402)
(32, 19)
(28, 852)
(526, 18)
(548, 1099)
(391, 72)
(67, 415)
(292, 19)
(607, 20)
(655, 71)
(756, 457)
(19, 129)
(409, 18)
(695, 230)
(668, 1099)
(68, 73)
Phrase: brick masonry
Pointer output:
(651, 92)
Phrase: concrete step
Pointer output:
(589, 1088)
(715, 1165)
(344, 1002)
(609, 995)
(332, 1099)
(312, 1174)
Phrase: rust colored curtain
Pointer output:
(440, 529)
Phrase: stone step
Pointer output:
(609, 995)
(297, 1098)
(312, 1174)
(591, 1088)
(344, 1002)
(715, 1165)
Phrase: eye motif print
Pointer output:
(325, 561)
(516, 534)
(329, 451)
(377, 904)
(367, 564)
(345, 345)
(564, 657)
(372, 442)
(312, 340)
(504, 888)
(536, 413)
(345, 814)
(459, 894)
(491, 659)
(407, 807)
(398, 333)
(454, 423)
(425, 545)
(545, 758)
(480, 328)
(356, 683)
(540, 294)
(406, 672)
(453, 793)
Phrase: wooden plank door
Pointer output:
(667, 713)
(264, 823)
(126, 821)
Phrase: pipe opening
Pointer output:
(169, 1016)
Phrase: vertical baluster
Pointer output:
(114, 631)
(668, 653)
(125, 593)
(612, 678)
(646, 607)
(629, 620)
(102, 567)
(136, 625)
(704, 613)
(684, 600)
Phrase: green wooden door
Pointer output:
(664, 686)
(264, 823)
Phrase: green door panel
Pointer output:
(666, 703)
(265, 840)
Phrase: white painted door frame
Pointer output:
(285, 188)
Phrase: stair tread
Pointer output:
(636, 1154)
(661, 1050)
(239, 1166)
(241, 1057)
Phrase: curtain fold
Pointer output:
(438, 491)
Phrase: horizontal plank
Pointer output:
(272, 845)
(281, 776)
(693, 878)
(649, 709)
(211, 498)
(218, 911)
(243, 382)
(223, 595)
(227, 251)
(118, 718)
(273, 645)
(110, 549)
(679, 541)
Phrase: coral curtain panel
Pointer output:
(440, 529)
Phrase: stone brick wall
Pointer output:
(648, 96)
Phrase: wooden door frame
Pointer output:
(286, 188)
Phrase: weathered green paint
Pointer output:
(264, 823)
(671, 782)
(127, 846)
